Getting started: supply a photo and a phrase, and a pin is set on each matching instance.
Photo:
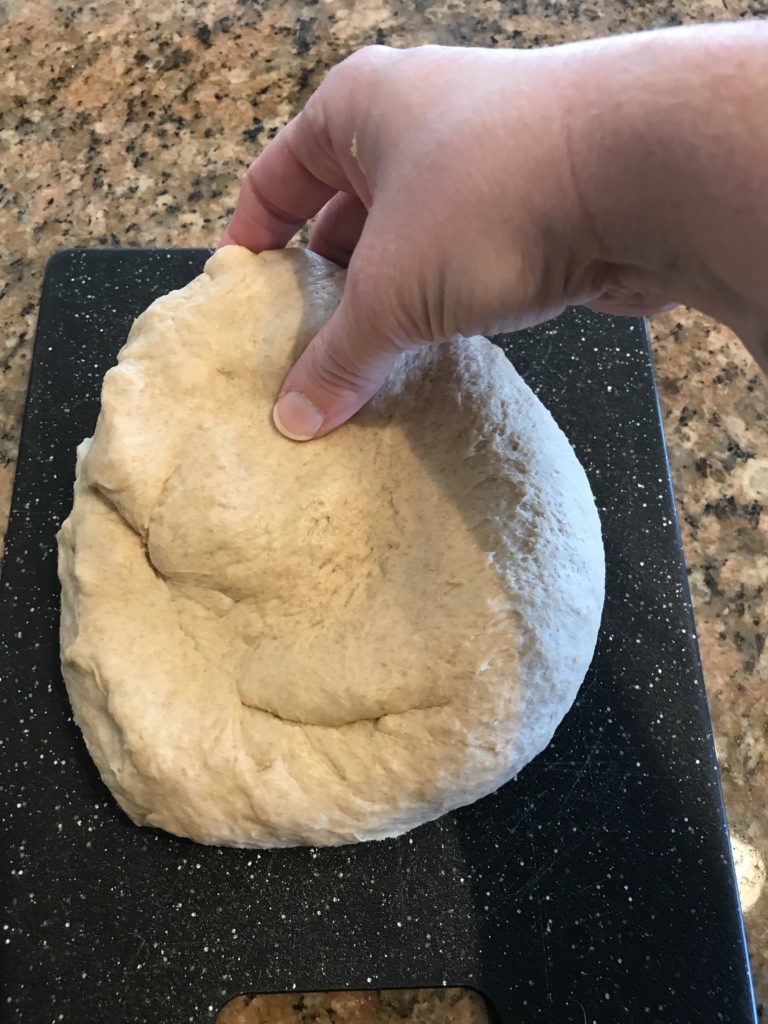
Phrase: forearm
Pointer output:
(671, 157)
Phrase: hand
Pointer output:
(442, 179)
(458, 186)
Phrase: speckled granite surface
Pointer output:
(124, 123)
(420, 1006)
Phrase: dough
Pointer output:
(268, 643)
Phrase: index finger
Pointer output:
(294, 177)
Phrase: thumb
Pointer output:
(343, 366)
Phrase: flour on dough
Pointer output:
(271, 644)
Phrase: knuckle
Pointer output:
(314, 115)
(367, 298)
(361, 65)
(310, 137)
(378, 300)
(334, 373)
(361, 286)
(368, 57)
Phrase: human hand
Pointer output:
(442, 180)
(458, 185)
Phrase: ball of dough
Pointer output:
(272, 644)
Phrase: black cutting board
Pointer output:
(596, 888)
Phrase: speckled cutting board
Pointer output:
(596, 888)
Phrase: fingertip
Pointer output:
(296, 417)
(226, 239)
(336, 374)
(300, 419)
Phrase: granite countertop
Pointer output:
(124, 123)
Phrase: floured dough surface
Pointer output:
(268, 643)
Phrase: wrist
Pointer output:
(668, 145)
